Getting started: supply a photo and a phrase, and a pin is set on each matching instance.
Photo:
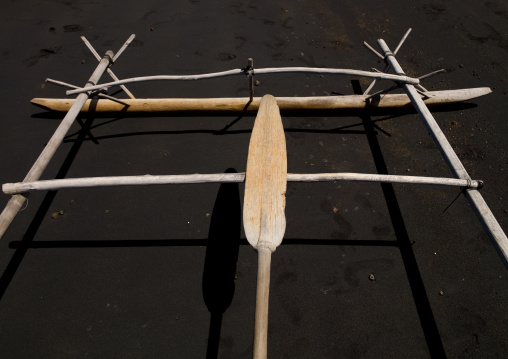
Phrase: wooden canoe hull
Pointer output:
(236, 104)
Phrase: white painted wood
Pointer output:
(147, 180)
(64, 84)
(110, 72)
(270, 70)
(10, 211)
(124, 46)
(386, 67)
(235, 104)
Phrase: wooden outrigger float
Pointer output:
(235, 104)
(266, 174)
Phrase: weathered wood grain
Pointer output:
(235, 104)
(264, 203)
(265, 182)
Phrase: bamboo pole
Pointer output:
(481, 208)
(124, 46)
(119, 52)
(271, 70)
(236, 104)
(401, 42)
(64, 84)
(147, 180)
(16, 202)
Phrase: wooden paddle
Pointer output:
(264, 202)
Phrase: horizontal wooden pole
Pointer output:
(56, 184)
(260, 71)
(235, 104)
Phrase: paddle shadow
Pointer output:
(42, 211)
(220, 262)
(145, 243)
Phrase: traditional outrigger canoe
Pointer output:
(235, 104)
(266, 174)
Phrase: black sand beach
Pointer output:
(166, 271)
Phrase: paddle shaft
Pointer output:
(262, 299)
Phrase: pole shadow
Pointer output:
(424, 310)
(145, 243)
(222, 249)
(42, 211)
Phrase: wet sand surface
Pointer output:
(166, 271)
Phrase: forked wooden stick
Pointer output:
(387, 67)
(264, 221)
(110, 72)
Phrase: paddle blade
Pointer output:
(264, 221)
